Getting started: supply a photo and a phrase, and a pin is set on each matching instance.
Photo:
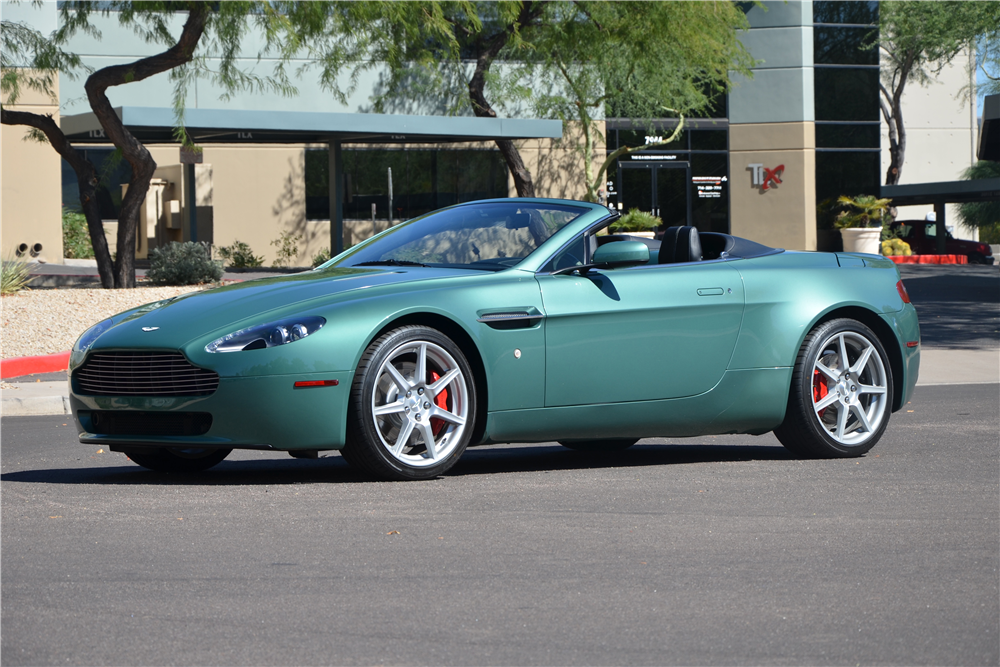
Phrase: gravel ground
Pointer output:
(47, 321)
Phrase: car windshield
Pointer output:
(489, 236)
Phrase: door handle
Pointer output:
(711, 291)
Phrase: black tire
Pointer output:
(837, 412)
(438, 403)
(976, 258)
(606, 445)
(178, 459)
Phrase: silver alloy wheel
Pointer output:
(420, 403)
(849, 388)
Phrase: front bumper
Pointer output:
(252, 413)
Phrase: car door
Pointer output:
(650, 332)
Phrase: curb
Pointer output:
(49, 363)
(36, 405)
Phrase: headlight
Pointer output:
(267, 335)
(91, 334)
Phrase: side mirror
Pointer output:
(621, 253)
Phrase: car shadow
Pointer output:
(332, 469)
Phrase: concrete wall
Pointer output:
(941, 137)
(31, 208)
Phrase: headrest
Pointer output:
(680, 244)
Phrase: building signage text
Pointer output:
(765, 178)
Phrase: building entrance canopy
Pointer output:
(155, 125)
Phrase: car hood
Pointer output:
(173, 323)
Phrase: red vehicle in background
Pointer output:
(922, 237)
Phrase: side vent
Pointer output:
(511, 319)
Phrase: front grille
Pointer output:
(110, 422)
(143, 374)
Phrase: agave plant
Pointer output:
(14, 275)
(862, 211)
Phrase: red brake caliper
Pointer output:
(442, 402)
(819, 390)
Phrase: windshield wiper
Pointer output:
(390, 262)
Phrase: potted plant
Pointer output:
(860, 223)
(636, 223)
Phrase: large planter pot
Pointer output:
(861, 239)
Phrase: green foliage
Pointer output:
(896, 247)
(287, 245)
(239, 256)
(183, 264)
(990, 234)
(14, 275)
(980, 214)
(321, 257)
(861, 211)
(76, 237)
(636, 221)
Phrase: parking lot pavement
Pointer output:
(721, 550)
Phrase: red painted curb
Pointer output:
(49, 363)
(929, 259)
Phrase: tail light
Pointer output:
(903, 294)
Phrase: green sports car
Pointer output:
(512, 320)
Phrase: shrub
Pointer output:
(76, 237)
(321, 257)
(635, 221)
(183, 264)
(896, 247)
(14, 275)
(288, 248)
(240, 256)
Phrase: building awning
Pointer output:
(155, 125)
(989, 132)
(948, 192)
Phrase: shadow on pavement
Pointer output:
(333, 469)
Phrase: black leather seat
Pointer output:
(680, 244)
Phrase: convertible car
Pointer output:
(513, 320)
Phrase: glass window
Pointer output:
(834, 45)
(709, 140)
(846, 94)
(709, 199)
(847, 136)
(112, 173)
(633, 138)
(835, 11)
(422, 181)
(846, 173)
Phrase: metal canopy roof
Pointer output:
(207, 126)
(951, 192)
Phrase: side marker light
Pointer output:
(317, 383)
(912, 343)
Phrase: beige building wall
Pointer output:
(941, 136)
(784, 215)
(556, 165)
(31, 190)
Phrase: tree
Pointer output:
(917, 39)
(638, 60)
(33, 60)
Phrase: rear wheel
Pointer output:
(606, 445)
(178, 459)
(841, 394)
(413, 406)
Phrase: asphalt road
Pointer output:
(704, 551)
(958, 306)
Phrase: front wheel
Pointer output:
(178, 459)
(841, 393)
(413, 406)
